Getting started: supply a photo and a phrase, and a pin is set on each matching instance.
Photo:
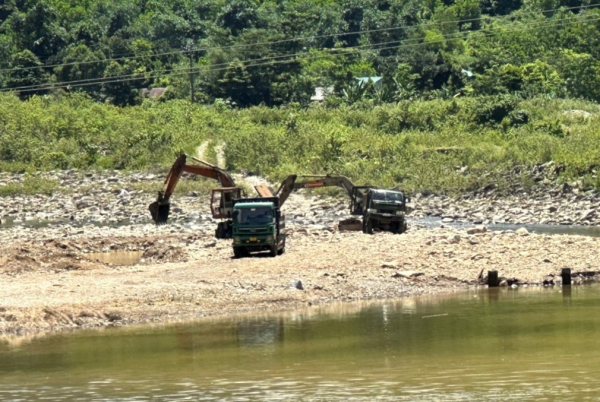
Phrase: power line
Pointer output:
(114, 79)
(269, 61)
(246, 45)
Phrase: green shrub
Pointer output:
(30, 185)
(438, 145)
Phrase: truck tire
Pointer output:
(368, 226)
(273, 251)
(282, 250)
(220, 231)
(398, 227)
(239, 252)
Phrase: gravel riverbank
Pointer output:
(121, 198)
(51, 277)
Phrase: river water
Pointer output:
(497, 344)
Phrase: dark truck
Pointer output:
(382, 209)
(379, 208)
(258, 226)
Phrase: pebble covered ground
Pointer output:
(51, 277)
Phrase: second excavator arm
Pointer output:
(294, 182)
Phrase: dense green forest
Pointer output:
(252, 52)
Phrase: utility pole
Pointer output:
(189, 47)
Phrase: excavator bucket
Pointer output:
(160, 213)
(351, 224)
(159, 209)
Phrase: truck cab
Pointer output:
(257, 226)
(382, 209)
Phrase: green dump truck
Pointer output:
(258, 226)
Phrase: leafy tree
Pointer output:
(37, 30)
(421, 48)
(581, 73)
(81, 64)
(238, 15)
(121, 83)
(500, 7)
(26, 71)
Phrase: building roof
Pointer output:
(321, 93)
(154, 92)
(364, 80)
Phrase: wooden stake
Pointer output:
(566, 276)
(493, 279)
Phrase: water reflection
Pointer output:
(566, 295)
(485, 344)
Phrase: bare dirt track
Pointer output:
(51, 284)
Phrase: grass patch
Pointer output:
(31, 185)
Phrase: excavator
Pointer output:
(221, 199)
(379, 208)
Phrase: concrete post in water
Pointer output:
(566, 276)
(493, 279)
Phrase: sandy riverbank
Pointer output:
(49, 284)
(51, 280)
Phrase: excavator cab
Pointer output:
(221, 207)
(221, 201)
(357, 201)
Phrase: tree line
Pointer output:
(241, 53)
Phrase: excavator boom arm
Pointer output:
(160, 208)
(201, 168)
(291, 183)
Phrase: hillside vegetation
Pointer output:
(470, 88)
(251, 52)
(438, 145)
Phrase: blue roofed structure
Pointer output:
(377, 81)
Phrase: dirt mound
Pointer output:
(77, 254)
(165, 253)
(49, 255)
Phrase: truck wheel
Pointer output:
(239, 252)
(282, 248)
(273, 251)
(220, 231)
(369, 226)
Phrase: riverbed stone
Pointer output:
(522, 232)
(477, 229)
(297, 284)
(453, 239)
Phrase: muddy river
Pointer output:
(503, 344)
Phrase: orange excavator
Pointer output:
(221, 199)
